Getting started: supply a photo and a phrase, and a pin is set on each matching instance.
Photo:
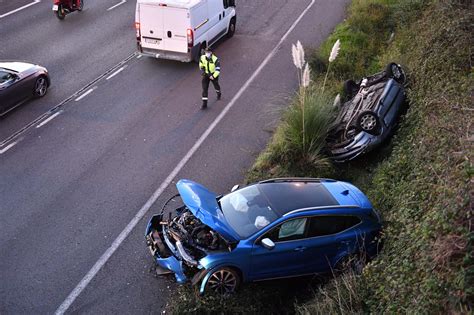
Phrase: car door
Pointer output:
(9, 95)
(286, 258)
(330, 238)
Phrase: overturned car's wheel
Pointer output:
(224, 281)
(396, 72)
(368, 122)
(350, 89)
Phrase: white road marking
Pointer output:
(115, 73)
(84, 95)
(141, 213)
(8, 147)
(44, 122)
(20, 8)
(139, 56)
(114, 6)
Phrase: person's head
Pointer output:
(207, 52)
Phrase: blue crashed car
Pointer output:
(272, 229)
(369, 115)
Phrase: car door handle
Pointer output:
(299, 249)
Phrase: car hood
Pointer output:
(17, 66)
(203, 205)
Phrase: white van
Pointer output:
(180, 29)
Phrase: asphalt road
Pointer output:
(69, 185)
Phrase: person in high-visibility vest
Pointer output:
(210, 70)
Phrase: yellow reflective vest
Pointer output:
(210, 66)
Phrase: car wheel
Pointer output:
(396, 72)
(41, 86)
(368, 122)
(350, 88)
(231, 30)
(224, 281)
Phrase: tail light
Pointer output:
(190, 36)
(137, 29)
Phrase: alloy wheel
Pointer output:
(223, 281)
(41, 86)
(368, 122)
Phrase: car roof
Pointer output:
(289, 194)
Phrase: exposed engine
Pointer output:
(190, 237)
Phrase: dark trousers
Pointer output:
(205, 86)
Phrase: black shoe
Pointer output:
(204, 105)
(219, 95)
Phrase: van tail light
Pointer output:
(137, 29)
(190, 36)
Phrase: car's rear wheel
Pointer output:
(41, 86)
(368, 122)
(396, 72)
(224, 281)
(350, 89)
(231, 30)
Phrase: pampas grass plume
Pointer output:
(335, 51)
(306, 76)
(298, 55)
(337, 101)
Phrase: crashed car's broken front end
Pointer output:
(177, 244)
(181, 238)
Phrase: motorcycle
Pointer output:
(61, 8)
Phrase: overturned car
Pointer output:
(271, 229)
(369, 115)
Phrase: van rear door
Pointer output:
(151, 26)
(176, 22)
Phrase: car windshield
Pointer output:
(247, 211)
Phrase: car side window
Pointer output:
(226, 4)
(288, 231)
(5, 76)
(328, 225)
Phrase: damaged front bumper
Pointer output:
(170, 258)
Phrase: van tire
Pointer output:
(231, 30)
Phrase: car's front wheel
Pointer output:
(224, 280)
(368, 122)
(41, 87)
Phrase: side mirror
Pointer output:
(235, 188)
(268, 243)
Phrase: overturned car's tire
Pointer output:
(396, 72)
(224, 280)
(368, 122)
(350, 89)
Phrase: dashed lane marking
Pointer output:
(44, 122)
(115, 73)
(20, 8)
(114, 6)
(8, 147)
(85, 94)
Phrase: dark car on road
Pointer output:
(369, 115)
(276, 228)
(19, 82)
